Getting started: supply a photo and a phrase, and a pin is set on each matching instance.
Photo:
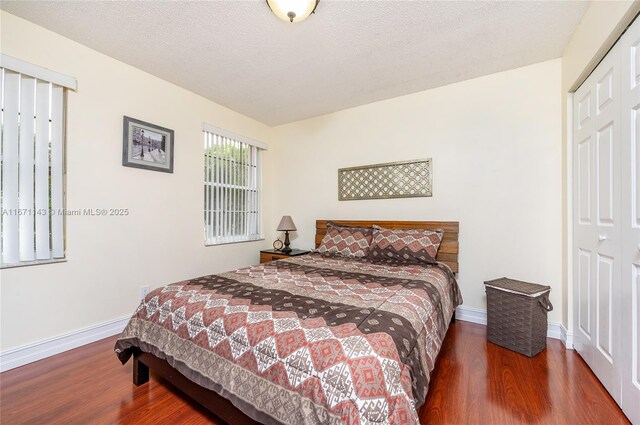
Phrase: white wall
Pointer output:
(496, 148)
(109, 258)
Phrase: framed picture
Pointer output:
(147, 146)
(403, 179)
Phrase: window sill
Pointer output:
(32, 263)
(229, 243)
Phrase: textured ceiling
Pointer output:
(238, 54)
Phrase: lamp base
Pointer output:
(286, 248)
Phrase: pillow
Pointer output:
(364, 229)
(406, 245)
(347, 241)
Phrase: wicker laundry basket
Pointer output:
(517, 315)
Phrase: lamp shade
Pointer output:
(292, 10)
(286, 224)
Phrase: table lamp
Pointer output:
(286, 225)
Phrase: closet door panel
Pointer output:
(605, 170)
(604, 301)
(630, 204)
(607, 123)
(584, 180)
(584, 295)
(597, 136)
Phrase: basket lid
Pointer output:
(519, 287)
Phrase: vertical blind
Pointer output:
(231, 187)
(32, 127)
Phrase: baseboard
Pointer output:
(470, 314)
(29, 353)
(477, 315)
(566, 337)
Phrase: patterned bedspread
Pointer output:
(307, 340)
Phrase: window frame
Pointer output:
(249, 215)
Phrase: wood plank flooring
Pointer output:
(474, 383)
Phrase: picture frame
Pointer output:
(147, 146)
(401, 179)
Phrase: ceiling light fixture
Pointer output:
(292, 10)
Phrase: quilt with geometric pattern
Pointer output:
(314, 339)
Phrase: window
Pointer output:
(32, 163)
(231, 187)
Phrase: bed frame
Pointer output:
(212, 401)
(223, 408)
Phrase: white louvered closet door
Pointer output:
(597, 219)
(630, 326)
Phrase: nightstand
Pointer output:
(271, 254)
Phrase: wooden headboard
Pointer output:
(449, 248)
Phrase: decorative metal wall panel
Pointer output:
(405, 179)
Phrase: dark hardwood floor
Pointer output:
(474, 383)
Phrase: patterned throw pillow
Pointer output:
(406, 245)
(347, 241)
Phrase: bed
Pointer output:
(313, 339)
